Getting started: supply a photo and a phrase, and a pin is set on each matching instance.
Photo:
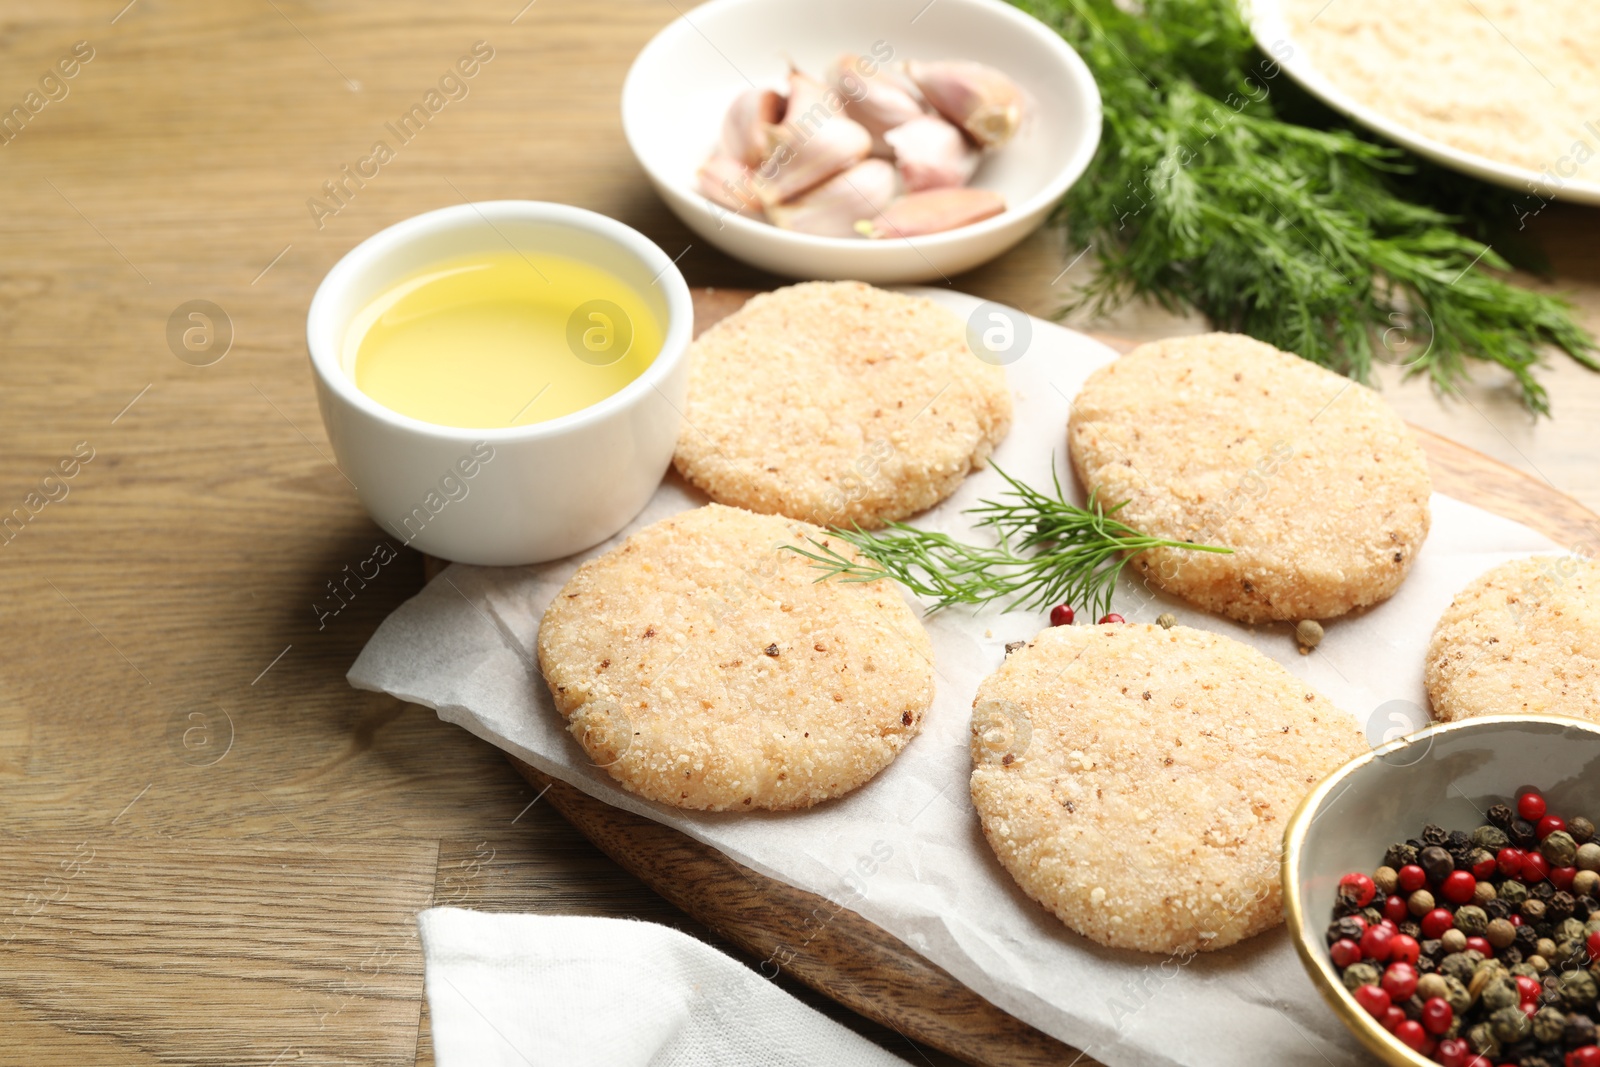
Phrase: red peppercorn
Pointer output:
(1483, 870)
(1516, 920)
(1549, 825)
(1476, 1061)
(1510, 861)
(1593, 944)
(1061, 615)
(1411, 1033)
(1344, 952)
(1413, 878)
(1357, 888)
(1436, 922)
(1527, 988)
(1453, 1051)
(1106, 620)
(1373, 999)
(1400, 980)
(1535, 868)
(1481, 946)
(1392, 1018)
(1403, 949)
(1437, 1015)
(1395, 909)
(1376, 942)
(1531, 806)
(1587, 1056)
(1561, 877)
(1530, 1008)
(1457, 887)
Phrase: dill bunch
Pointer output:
(1047, 551)
(1203, 197)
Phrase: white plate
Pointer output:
(682, 82)
(1270, 26)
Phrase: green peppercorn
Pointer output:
(1166, 620)
(1386, 879)
(1579, 989)
(1308, 632)
(1513, 893)
(1484, 1043)
(1457, 965)
(1509, 1025)
(1548, 1025)
(1457, 996)
(1581, 829)
(1472, 920)
(1499, 991)
(1526, 968)
(1364, 973)
(1491, 838)
(1560, 849)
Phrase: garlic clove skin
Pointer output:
(730, 184)
(933, 211)
(931, 154)
(745, 136)
(976, 97)
(833, 208)
(805, 157)
(877, 100)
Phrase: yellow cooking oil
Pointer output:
(501, 339)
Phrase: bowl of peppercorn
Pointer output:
(1443, 892)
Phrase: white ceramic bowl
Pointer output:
(503, 496)
(1449, 775)
(681, 84)
(1270, 27)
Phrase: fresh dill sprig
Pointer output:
(1047, 551)
(1316, 240)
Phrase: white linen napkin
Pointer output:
(575, 991)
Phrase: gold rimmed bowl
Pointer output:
(1449, 775)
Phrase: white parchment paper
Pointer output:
(906, 851)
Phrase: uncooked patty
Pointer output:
(839, 404)
(1316, 484)
(1524, 638)
(1137, 781)
(706, 667)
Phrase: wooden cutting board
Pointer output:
(857, 963)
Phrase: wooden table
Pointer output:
(213, 848)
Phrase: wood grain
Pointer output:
(167, 694)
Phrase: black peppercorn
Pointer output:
(1434, 835)
(1511, 955)
(1498, 909)
(1501, 815)
(1411, 929)
(1580, 1031)
(1581, 829)
(1527, 937)
(1543, 890)
(1345, 928)
(1561, 907)
(1372, 915)
(1433, 948)
(1426, 964)
(1584, 907)
(1523, 834)
(1538, 1059)
(1436, 862)
(1458, 839)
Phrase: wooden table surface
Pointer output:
(212, 849)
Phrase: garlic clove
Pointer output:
(745, 136)
(876, 100)
(833, 208)
(976, 97)
(931, 154)
(806, 156)
(729, 183)
(933, 211)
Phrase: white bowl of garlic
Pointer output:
(883, 141)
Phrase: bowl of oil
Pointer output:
(502, 381)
